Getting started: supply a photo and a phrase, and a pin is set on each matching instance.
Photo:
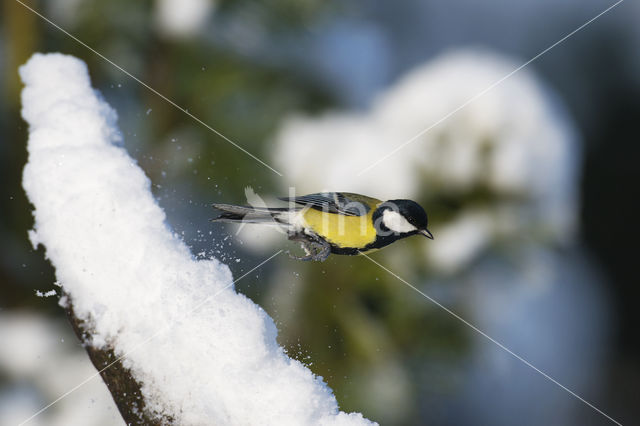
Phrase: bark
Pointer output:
(125, 390)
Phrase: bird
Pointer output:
(341, 223)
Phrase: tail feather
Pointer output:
(246, 214)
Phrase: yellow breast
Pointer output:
(340, 230)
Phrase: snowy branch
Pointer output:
(193, 350)
(126, 391)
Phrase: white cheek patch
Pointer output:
(396, 222)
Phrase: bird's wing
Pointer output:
(343, 203)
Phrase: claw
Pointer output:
(306, 258)
(302, 258)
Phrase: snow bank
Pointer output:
(129, 276)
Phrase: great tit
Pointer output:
(336, 222)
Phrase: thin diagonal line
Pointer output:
(142, 343)
(500, 345)
(151, 89)
(481, 93)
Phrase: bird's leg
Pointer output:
(322, 249)
(308, 250)
(315, 247)
(304, 243)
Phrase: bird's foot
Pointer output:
(317, 249)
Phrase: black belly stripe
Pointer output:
(379, 242)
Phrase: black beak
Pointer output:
(427, 234)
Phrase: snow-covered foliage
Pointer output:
(182, 18)
(203, 353)
(513, 143)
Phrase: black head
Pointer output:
(405, 217)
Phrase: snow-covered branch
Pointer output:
(125, 389)
(132, 287)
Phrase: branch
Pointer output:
(125, 390)
(129, 276)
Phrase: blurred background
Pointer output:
(530, 192)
